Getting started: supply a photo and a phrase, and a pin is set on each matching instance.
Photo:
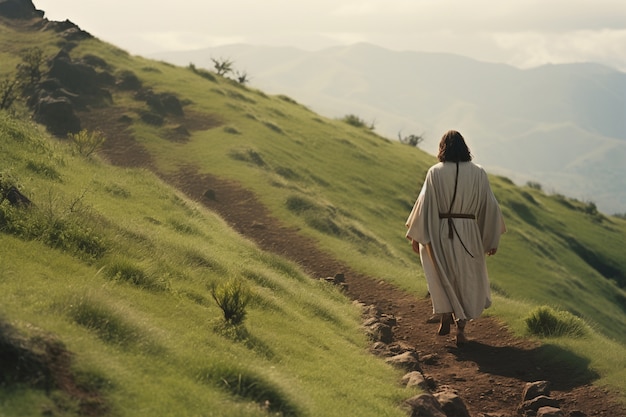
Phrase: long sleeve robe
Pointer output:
(455, 268)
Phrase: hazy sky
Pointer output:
(524, 33)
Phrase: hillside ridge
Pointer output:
(489, 373)
(556, 124)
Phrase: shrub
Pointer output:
(356, 121)
(411, 140)
(547, 322)
(69, 232)
(232, 297)
(8, 93)
(86, 142)
(30, 70)
(222, 66)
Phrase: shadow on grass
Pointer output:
(562, 368)
(239, 334)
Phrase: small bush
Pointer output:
(8, 93)
(547, 322)
(69, 232)
(356, 121)
(232, 297)
(86, 142)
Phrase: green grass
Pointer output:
(138, 314)
(119, 266)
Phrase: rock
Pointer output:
(19, 9)
(452, 404)
(536, 403)
(400, 347)
(430, 359)
(370, 321)
(15, 197)
(535, 389)
(68, 30)
(380, 332)
(161, 103)
(57, 114)
(75, 76)
(407, 360)
(128, 81)
(424, 405)
(550, 412)
(415, 379)
(388, 319)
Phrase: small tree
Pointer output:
(411, 140)
(242, 77)
(86, 142)
(232, 297)
(8, 93)
(29, 71)
(222, 66)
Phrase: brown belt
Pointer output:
(451, 216)
(456, 216)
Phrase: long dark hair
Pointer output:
(453, 148)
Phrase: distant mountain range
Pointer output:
(561, 126)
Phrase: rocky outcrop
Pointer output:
(57, 114)
(19, 9)
(67, 30)
(67, 87)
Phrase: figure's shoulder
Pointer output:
(476, 167)
(436, 167)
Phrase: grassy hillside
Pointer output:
(117, 266)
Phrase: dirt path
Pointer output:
(489, 373)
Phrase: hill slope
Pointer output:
(561, 125)
(336, 189)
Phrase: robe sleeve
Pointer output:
(417, 222)
(490, 220)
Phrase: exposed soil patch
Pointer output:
(43, 362)
(120, 147)
(489, 373)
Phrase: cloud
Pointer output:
(528, 49)
(520, 32)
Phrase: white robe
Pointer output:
(455, 269)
